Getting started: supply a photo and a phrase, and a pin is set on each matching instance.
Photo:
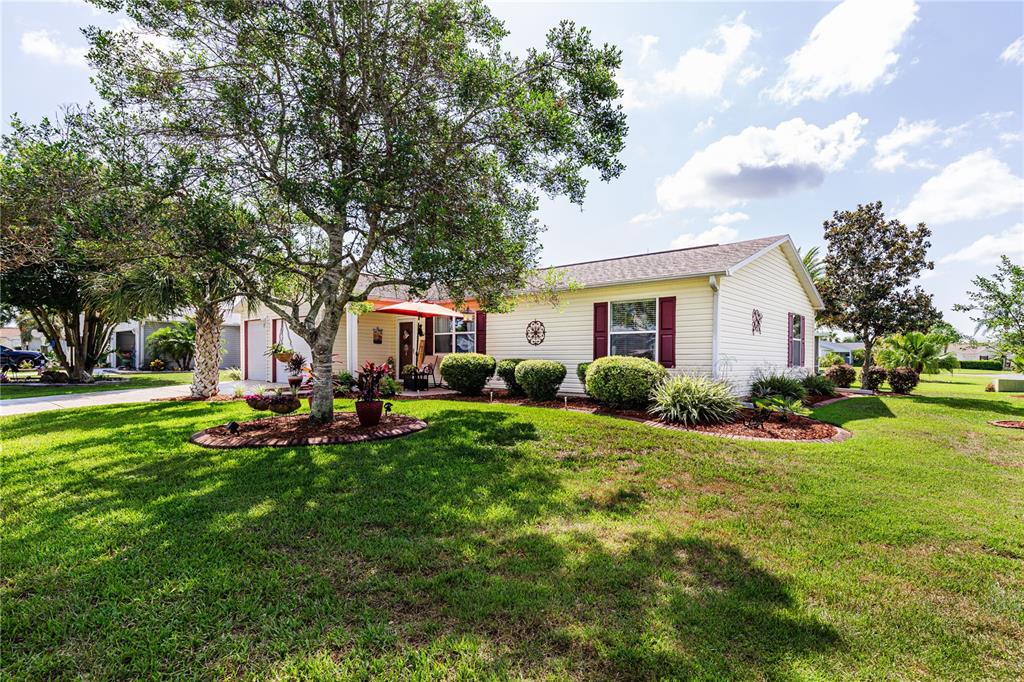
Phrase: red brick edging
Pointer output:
(346, 430)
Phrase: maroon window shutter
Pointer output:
(667, 331)
(600, 330)
(481, 331)
(803, 342)
(428, 332)
(789, 340)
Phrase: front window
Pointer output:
(454, 335)
(633, 328)
(796, 341)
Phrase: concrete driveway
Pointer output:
(45, 403)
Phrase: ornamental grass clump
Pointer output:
(467, 373)
(694, 400)
(540, 379)
(816, 384)
(623, 382)
(775, 384)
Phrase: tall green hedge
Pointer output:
(981, 364)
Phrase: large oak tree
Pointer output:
(380, 143)
(869, 266)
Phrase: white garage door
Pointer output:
(255, 350)
(289, 339)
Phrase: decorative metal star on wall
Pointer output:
(755, 321)
(535, 333)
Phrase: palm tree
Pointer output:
(921, 352)
(814, 264)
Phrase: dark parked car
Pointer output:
(11, 359)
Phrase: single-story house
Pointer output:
(723, 310)
(133, 336)
(845, 349)
(974, 351)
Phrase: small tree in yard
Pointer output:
(868, 269)
(377, 143)
(998, 306)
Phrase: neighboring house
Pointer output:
(974, 351)
(720, 310)
(11, 337)
(845, 349)
(133, 336)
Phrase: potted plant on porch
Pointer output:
(412, 378)
(296, 365)
(368, 403)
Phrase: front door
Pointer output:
(405, 346)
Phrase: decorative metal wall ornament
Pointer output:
(535, 333)
(755, 321)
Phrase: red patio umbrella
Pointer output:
(419, 309)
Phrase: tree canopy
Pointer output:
(378, 143)
(998, 306)
(869, 266)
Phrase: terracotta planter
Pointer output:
(295, 382)
(369, 412)
(284, 357)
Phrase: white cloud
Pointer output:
(705, 125)
(699, 72)
(647, 44)
(719, 234)
(890, 149)
(47, 44)
(761, 162)
(988, 249)
(1011, 138)
(1014, 52)
(748, 74)
(977, 186)
(641, 218)
(161, 43)
(729, 218)
(850, 50)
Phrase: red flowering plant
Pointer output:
(368, 387)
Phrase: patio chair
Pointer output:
(431, 365)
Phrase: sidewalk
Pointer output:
(45, 403)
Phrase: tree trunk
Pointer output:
(322, 410)
(868, 344)
(206, 376)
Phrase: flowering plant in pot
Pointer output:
(368, 403)
(296, 366)
(280, 352)
(258, 399)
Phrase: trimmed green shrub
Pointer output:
(389, 387)
(581, 373)
(815, 384)
(873, 378)
(467, 373)
(903, 379)
(841, 375)
(694, 400)
(772, 384)
(507, 373)
(624, 382)
(829, 359)
(981, 364)
(540, 379)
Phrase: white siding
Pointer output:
(771, 285)
(569, 328)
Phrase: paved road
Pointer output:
(44, 403)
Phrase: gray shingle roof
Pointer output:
(697, 260)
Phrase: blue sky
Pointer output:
(745, 120)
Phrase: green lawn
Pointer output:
(518, 542)
(10, 391)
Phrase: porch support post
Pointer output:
(715, 330)
(351, 341)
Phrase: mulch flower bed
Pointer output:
(796, 428)
(296, 429)
(1008, 424)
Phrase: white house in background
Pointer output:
(133, 336)
(974, 351)
(843, 348)
(724, 310)
(11, 337)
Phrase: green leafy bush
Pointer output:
(981, 364)
(783, 406)
(624, 382)
(467, 373)
(771, 384)
(815, 384)
(873, 378)
(507, 373)
(176, 341)
(903, 379)
(829, 359)
(694, 400)
(841, 375)
(540, 379)
(389, 387)
(581, 374)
